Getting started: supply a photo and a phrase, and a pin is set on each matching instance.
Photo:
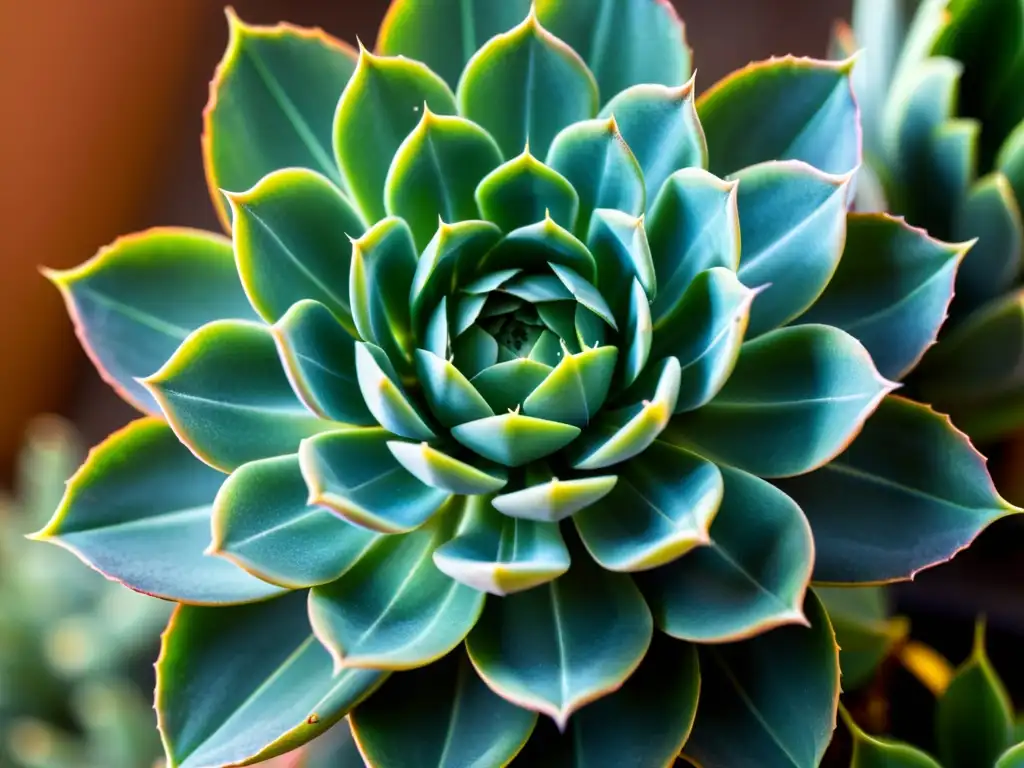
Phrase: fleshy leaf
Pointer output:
(353, 473)
(523, 191)
(770, 701)
(227, 398)
(271, 105)
(871, 752)
(137, 299)
(501, 555)
(442, 715)
(866, 632)
(555, 499)
(506, 385)
(384, 395)
(513, 439)
(439, 470)
(891, 291)
(319, 358)
(452, 398)
(536, 245)
(474, 351)
(909, 493)
(804, 390)
(291, 239)
(584, 292)
(436, 171)
(660, 509)
(622, 41)
(242, 684)
(704, 330)
(598, 163)
(693, 225)
(507, 86)
(974, 717)
(557, 647)
(138, 511)
(661, 127)
(263, 523)
(803, 109)
(622, 252)
(380, 282)
(445, 35)
(379, 107)
(393, 609)
(575, 390)
(639, 335)
(792, 226)
(749, 576)
(1012, 758)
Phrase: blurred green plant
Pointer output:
(69, 639)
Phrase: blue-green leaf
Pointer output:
(623, 42)
(554, 499)
(536, 245)
(439, 470)
(452, 398)
(271, 105)
(866, 630)
(319, 358)
(353, 473)
(506, 385)
(263, 523)
(499, 554)
(227, 398)
(661, 127)
(802, 109)
(242, 684)
(575, 390)
(660, 509)
(891, 291)
(749, 576)
(639, 335)
(792, 226)
(435, 173)
(136, 300)
(513, 439)
(555, 648)
(622, 252)
(394, 609)
(596, 160)
(507, 86)
(770, 701)
(379, 107)
(909, 492)
(384, 396)
(693, 225)
(138, 510)
(704, 330)
(524, 191)
(871, 752)
(380, 282)
(291, 239)
(445, 35)
(584, 292)
(474, 351)
(442, 716)
(804, 390)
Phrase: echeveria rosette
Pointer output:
(944, 145)
(492, 416)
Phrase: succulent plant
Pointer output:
(944, 145)
(71, 643)
(508, 450)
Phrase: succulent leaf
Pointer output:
(805, 390)
(756, 559)
(1012, 758)
(263, 522)
(659, 510)
(792, 226)
(233, 682)
(865, 630)
(555, 648)
(137, 299)
(439, 470)
(513, 439)
(139, 512)
(639, 335)
(442, 715)
(507, 86)
(226, 396)
(451, 396)
(891, 290)
(871, 752)
(623, 42)
(536, 245)
(524, 191)
(660, 125)
(554, 499)
(920, 491)
(290, 230)
(575, 390)
(771, 700)
(384, 396)
(393, 609)
(353, 473)
(803, 109)
(499, 554)
(271, 106)
(622, 253)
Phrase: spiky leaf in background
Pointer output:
(72, 644)
(523, 402)
(943, 118)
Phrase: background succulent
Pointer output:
(72, 644)
(484, 361)
(944, 145)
